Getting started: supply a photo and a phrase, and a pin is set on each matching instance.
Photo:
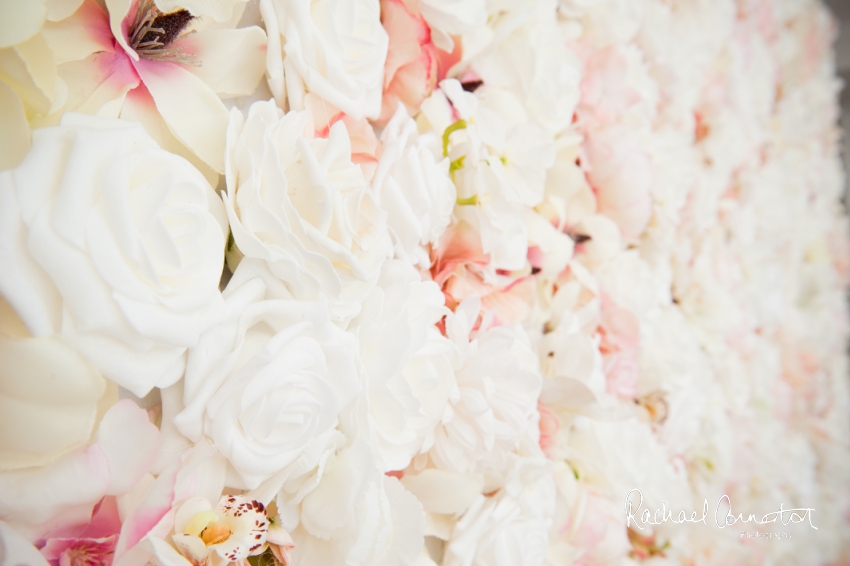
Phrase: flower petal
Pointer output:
(14, 130)
(20, 20)
(193, 112)
(233, 60)
(130, 442)
(17, 550)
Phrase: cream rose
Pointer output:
(267, 381)
(115, 245)
(303, 207)
(333, 48)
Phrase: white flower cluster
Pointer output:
(421, 282)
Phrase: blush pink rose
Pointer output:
(364, 144)
(620, 333)
(410, 71)
(621, 174)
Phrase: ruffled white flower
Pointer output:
(115, 245)
(412, 185)
(495, 406)
(510, 527)
(303, 207)
(268, 381)
(407, 362)
(498, 163)
(530, 58)
(332, 48)
(358, 516)
(452, 17)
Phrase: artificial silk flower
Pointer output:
(357, 515)
(229, 532)
(168, 70)
(407, 362)
(268, 381)
(299, 204)
(410, 72)
(413, 186)
(116, 248)
(331, 48)
(64, 492)
(494, 408)
(53, 416)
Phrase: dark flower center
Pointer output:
(153, 33)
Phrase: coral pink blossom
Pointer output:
(410, 72)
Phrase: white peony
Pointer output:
(333, 48)
(413, 186)
(358, 516)
(510, 527)
(498, 164)
(452, 17)
(530, 58)
(113, 244)
(303, 207)
(495, 406)
(268, 381)
(407, 363)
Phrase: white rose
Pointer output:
(303, 207)
(114, 244)
(511, 527)
(333, 48)
(495, 406)
(407, 362)
(267, 381)
(412, 185)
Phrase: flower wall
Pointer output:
(420, 282)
